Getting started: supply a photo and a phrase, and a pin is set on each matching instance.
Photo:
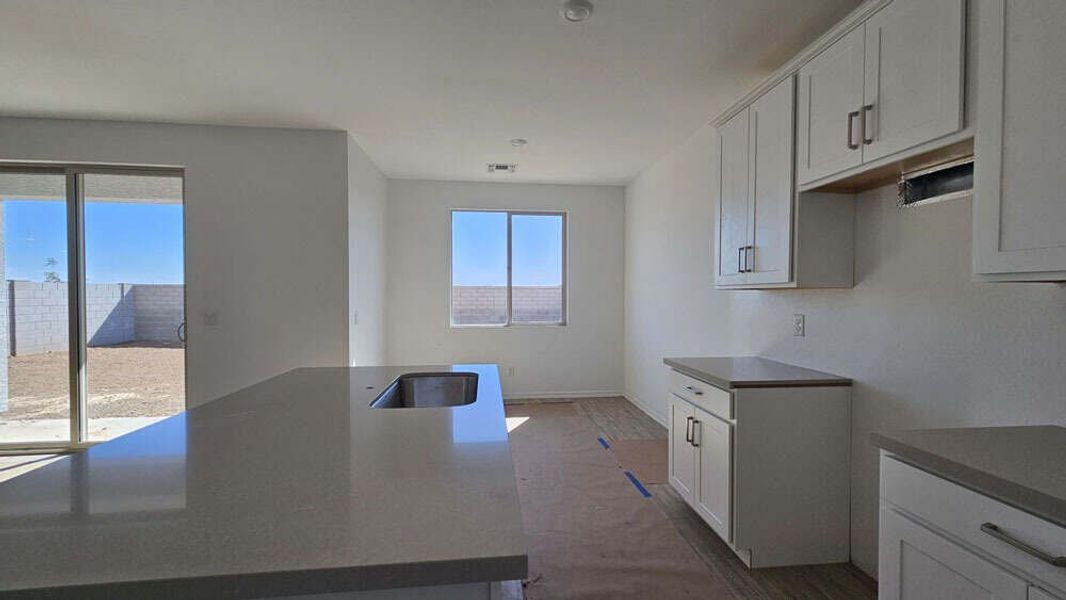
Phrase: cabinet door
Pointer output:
(1019, 179)
(917, 564)
(830, 99)
(1036, 593)
(914, 75)
(713, 439)
(733, 200)
(771, 125)
(682, 458)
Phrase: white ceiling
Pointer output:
(429, 88)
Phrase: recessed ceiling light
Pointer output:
(519, 142)
(576, 11)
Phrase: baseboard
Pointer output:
(561, 395)
(660, 419)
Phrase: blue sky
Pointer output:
(124, 242)
(479, 249)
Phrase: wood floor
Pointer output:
(621, 420)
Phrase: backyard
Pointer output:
(139, 379)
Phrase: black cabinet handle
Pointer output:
(993, 530)
(688, 429)
(865, 111)
(851, 128)
(694, 424)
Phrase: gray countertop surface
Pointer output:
(291, 486)
(1021, 466)
(751, 372)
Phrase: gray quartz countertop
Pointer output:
(291, 486)
(1021, 466)
(751, 372)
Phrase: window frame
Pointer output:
(510, 323)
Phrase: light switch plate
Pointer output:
(799, 326)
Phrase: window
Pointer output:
(508, 268)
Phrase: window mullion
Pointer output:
(510, 295)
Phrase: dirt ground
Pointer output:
(124, 381)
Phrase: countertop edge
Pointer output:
(732, 385)
(250, 586)
(1034, 502)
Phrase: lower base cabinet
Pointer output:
(766, 468)
(918, 564)
(932, 545)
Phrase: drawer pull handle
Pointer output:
(694, 390)
(993, 530)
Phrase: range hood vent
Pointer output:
(945, 181)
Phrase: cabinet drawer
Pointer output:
(704, 395)
(961, 512)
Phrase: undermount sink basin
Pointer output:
(425, 390)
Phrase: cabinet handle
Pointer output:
(862, 122)
(851, 128)
(688, 429)
(748, 269)
(993, 530)
(694, 424)
(694, 390)
(740, 251)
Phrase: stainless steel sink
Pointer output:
(423, 390)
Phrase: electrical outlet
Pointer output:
(799, 326)
(508, 371)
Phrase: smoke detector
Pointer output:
(576, 11)
(502, 167)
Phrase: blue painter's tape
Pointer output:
(603, 442)
(637, 484)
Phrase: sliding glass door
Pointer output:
(92, 314)
(35, 398)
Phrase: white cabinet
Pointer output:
(771, 126)
(765, 468)
(700, 462)
(733, 200)
(682, 455)
(830, 103)
(756, 192)
(914, 75)
(917, 564)
(713, 440)
(1019, 179)
(768, 236)
(888, 85)
(939, 539)
(1036, 593)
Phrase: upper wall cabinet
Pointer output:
(888, 85)
(759, 215)
(755, 193)
(1019, 179)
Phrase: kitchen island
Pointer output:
(293, 486)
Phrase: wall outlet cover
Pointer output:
(799, 326)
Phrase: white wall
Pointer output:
(582, 358)
(266, 236)
(926, 346)
(367, 189)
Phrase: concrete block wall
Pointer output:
(38, 317)
(116, 313)
(158, 309)
(488, 304)
(109, 312)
